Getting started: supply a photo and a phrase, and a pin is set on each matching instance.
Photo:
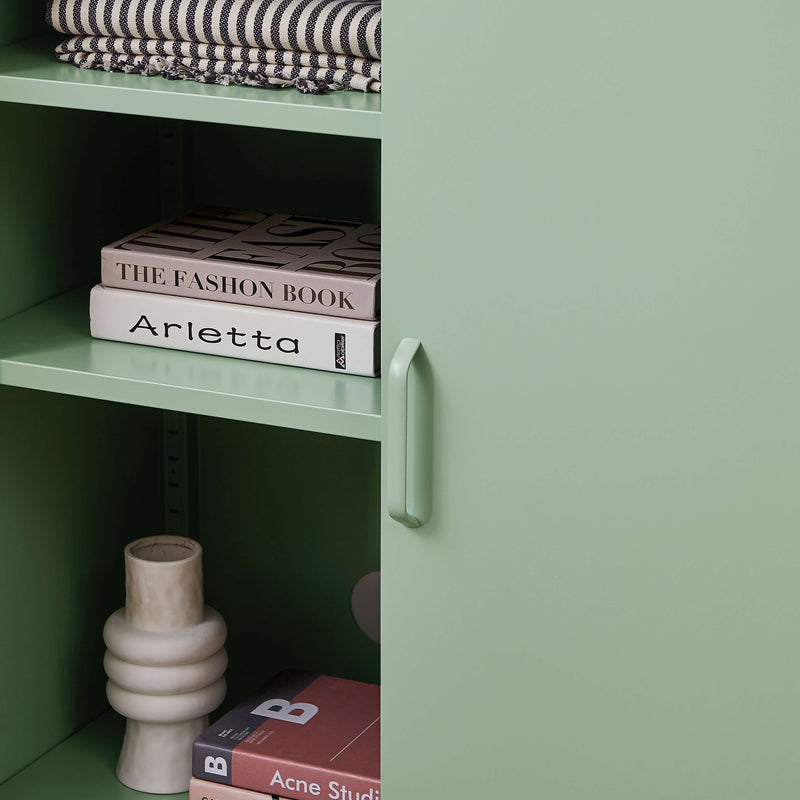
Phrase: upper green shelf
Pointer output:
(30, 73)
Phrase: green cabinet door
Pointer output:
(590, 220)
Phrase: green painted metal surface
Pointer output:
(78, 480)
(49, 348)
(71, 182)
(82, 768)
(595, 239)
(275, 170)
(595, 244)
(19, 19)
(267, 498)
(289, 521)
(30, 73)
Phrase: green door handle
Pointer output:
(397, 489)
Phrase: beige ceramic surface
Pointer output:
(165, 662)
(163, 583)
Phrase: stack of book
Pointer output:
(278, 288)
(304, 736)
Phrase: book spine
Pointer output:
(335, 295)
(266, 775)
(206, 790)
(237, 331)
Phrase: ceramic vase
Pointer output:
(165, 662)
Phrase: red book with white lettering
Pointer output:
(304, 736)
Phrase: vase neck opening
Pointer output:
(164, 582)
(163, 549)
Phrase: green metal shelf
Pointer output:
(49, 348)
(30, 73)
(80, 768)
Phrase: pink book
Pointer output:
(283, 261)
(206, 790)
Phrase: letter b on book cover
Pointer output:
(216, 766)
(288, 712)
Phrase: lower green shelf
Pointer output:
(49, 348)
(81, 768)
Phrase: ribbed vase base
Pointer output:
(154, 755)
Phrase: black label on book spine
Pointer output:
(340, 353)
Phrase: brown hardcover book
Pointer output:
(304, 736)
(282, 261)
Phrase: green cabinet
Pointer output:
(589, 223)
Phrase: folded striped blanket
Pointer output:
(212, 63)
(314, 45)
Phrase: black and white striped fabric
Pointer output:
(212, 63)
(314, 45)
